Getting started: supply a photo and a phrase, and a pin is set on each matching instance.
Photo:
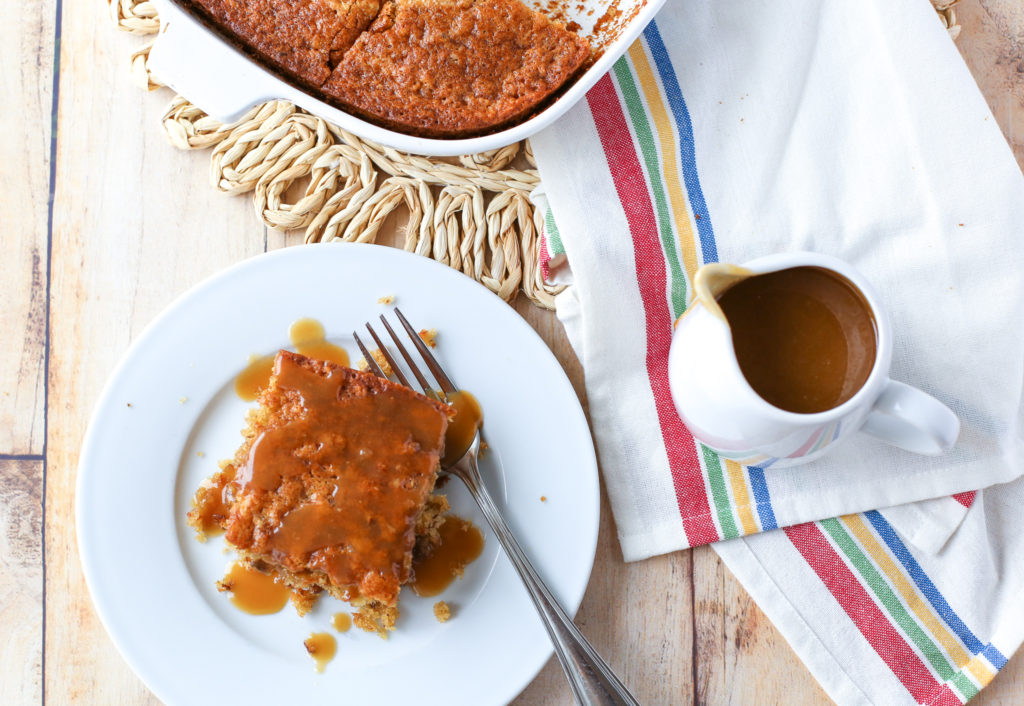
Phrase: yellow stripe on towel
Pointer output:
(669, 155)
(741, 496)
(980, 671)
(914, 600)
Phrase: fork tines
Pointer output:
(442, 378)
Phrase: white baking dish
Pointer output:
(223, 82)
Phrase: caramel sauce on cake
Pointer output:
(254, 377)
(332, 486)
(334, 482)
(461, 543)
(309, 339)
(212, 505)
(462, 429)
(253, 591)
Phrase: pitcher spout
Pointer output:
(711, 280)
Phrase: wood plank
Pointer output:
(992, 44)
(647, 642)
(1007, 689)
(26, 76)
(742, 657)
(638, 616)
(135, 224)
(21, 581)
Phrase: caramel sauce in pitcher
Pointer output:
(805, 337)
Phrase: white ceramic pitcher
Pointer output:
(722, 410)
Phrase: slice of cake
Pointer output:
(450, 68)
(306, 38)
(332, 488)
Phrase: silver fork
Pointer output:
(590, 678)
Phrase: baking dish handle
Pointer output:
(203, 68)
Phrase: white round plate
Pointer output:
(169, 413)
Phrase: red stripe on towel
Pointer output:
(545, 258)
(966, 499)
(687, 477)
(873, 624)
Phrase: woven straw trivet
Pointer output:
(475, 216)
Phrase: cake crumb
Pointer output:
(129, 404)
(183, 400)
(378, 358)
(200, 454)
(374, 616)
(429, 336)
(303, 601)
(389, 299)
(442, 611)
(543, 498)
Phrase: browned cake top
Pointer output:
(337, 473)
(448, 67)
(305, 37)
(441, 68)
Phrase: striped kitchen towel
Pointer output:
(734, 130)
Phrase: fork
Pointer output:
(590, 678)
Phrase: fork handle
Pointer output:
(590, 678)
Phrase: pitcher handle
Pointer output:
(913, 420)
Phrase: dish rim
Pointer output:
(254, 83)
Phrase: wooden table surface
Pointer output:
(104, 224)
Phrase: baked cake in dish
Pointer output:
(332, 487)
(437, 68)
(306, 38)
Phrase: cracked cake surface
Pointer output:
(438, 68)
(306, 38)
